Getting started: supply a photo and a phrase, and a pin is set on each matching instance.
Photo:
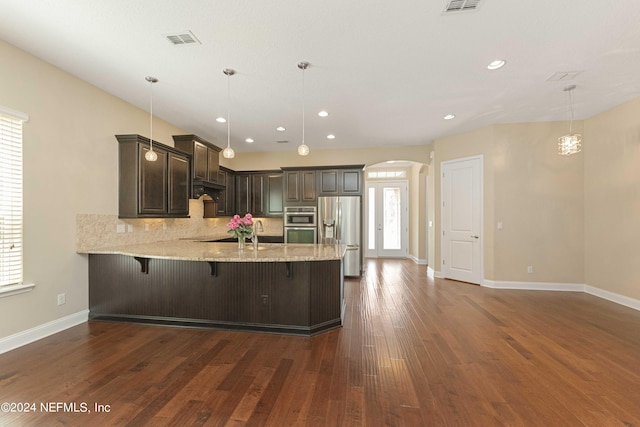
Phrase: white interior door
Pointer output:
(462, 220)
(387, 219)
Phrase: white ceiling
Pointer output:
(386, 71)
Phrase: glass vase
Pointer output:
(241, 243)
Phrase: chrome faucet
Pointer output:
(257, 226)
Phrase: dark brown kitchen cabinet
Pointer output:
(158, 189)
(243, 194)
(299, 187)
(152, 182)
(205, 164)
(178, 196)
(275, 205)
(225, 204)
(344, 181)
(259, 192)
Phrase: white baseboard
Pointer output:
(613, 297)
(434, 274)
(534, 286)
(418, 260)
(41, 331)
(566, 287)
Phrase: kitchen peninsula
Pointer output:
(283, 288)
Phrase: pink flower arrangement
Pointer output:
(241, 227)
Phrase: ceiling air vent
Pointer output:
(282, 142)
(182, 38)
(461, 6)
(563, 76)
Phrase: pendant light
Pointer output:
(151, 155)
(303, 149)
(228, 152)
(570, 143)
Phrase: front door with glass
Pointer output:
(387, 219)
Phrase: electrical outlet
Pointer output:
(129, 228)
(62, 299)
(530, 269)
(146, 227)
(120, 228)
(265, 299)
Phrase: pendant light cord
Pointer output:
(151, 116)
(228, 110)
(571, 103)
(303, 105)
(570, 90)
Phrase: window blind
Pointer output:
(10, 198)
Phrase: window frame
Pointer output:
(11, 196)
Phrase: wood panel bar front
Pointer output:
(303, 298)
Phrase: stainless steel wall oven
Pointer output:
(300, 224)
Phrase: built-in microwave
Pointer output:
(300, 216)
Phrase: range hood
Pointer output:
(211, 188)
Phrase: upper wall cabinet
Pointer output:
(205, 164)
(299, 186)
(158, 189)
(226, 201)
(260, 193)
(342, 181)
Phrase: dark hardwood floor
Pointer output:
(413, 351)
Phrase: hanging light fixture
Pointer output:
(151, 155)
(228, 152)
(572, 142)
(303, 149)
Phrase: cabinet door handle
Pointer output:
(476, 237)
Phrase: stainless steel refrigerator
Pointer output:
(339, 221)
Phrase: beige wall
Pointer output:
(539, 198)
(418, 212)
(534, 192)
(612, 200)
(479, 142)
(70, 167)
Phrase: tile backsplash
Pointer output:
(103, 230)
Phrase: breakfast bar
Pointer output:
(278, 288)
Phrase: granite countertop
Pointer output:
(197, 249)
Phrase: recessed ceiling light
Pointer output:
(449, 117)
(280, 129)
(249, 140)
(221, 120)
(323, 113)
(331, 136)
(498, 63)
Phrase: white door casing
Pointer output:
(461, 219)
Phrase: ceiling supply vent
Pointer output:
(282, 142)
(182, 38)
(563, 76)
(461, 6)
